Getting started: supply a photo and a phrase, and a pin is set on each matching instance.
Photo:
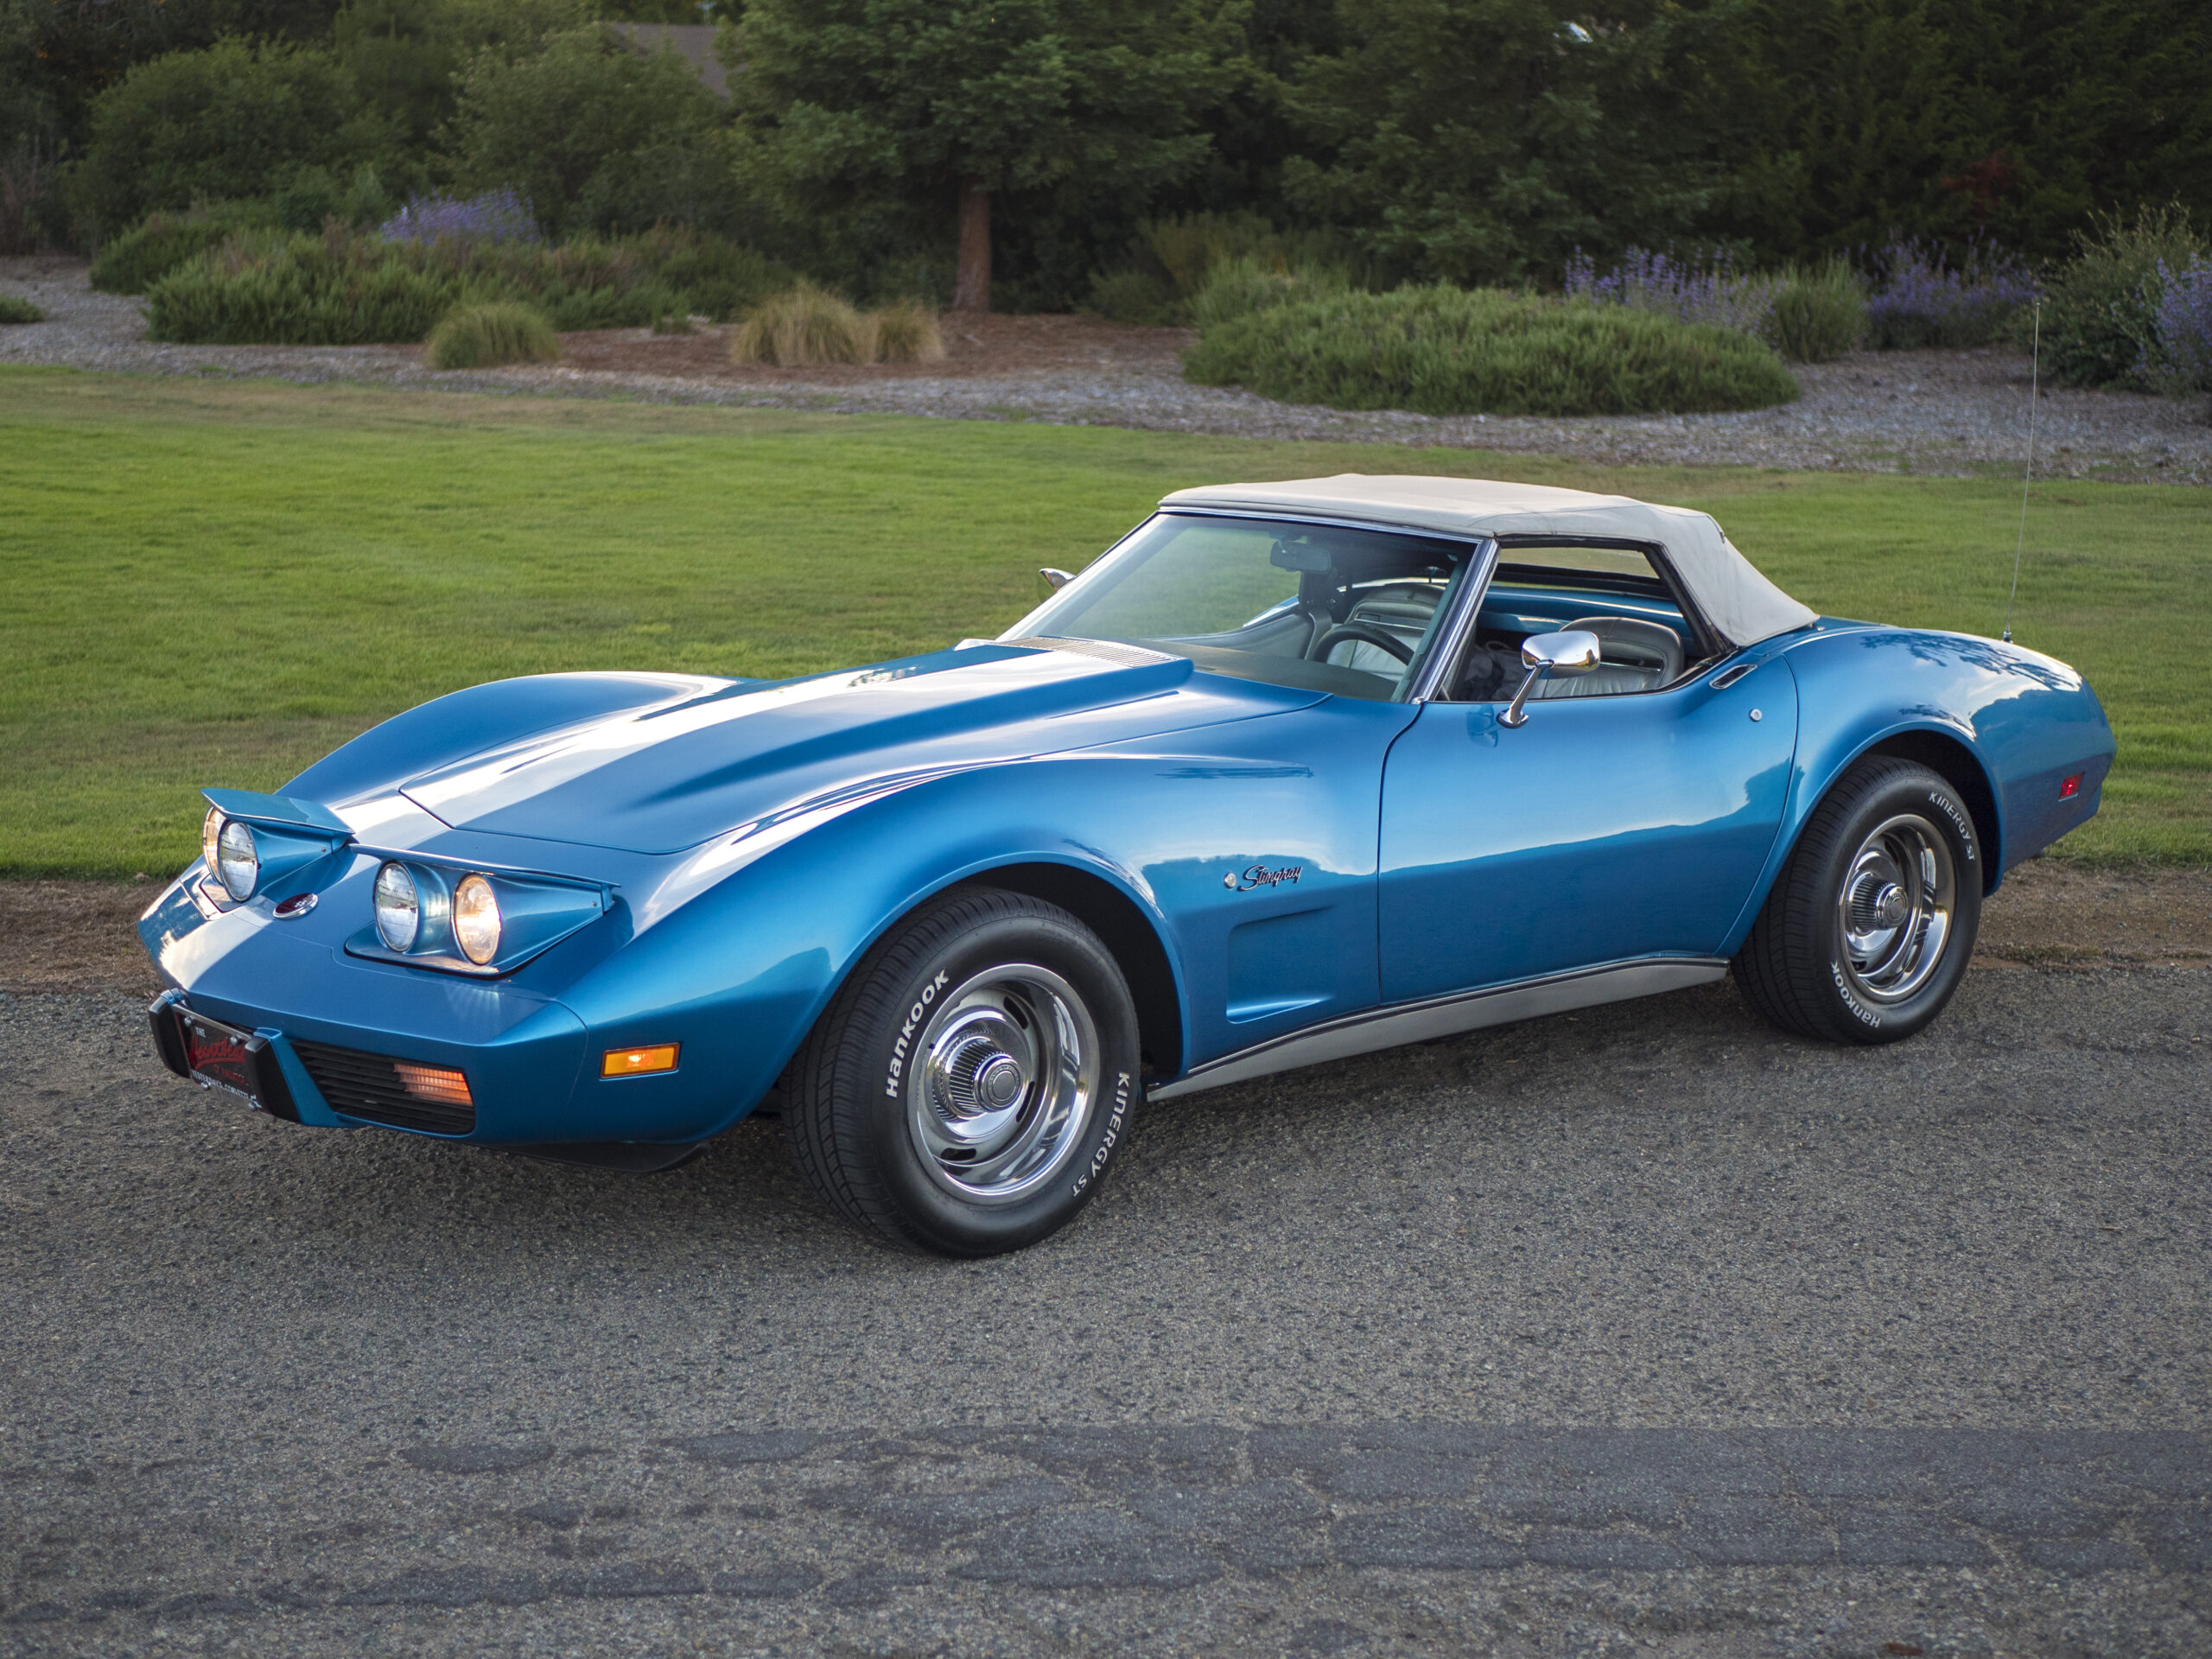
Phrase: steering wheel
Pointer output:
(1365, 631)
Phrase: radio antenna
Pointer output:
(2035, 367)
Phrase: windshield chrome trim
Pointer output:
(1333, 521)
(1434, 670)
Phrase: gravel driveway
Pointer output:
(1639, 1330)
(1939, 412)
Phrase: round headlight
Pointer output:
(211, 827)
(476, 919)
(398, 907)
(236, 861)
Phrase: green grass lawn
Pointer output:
(214, 582)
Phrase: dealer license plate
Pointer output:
(215, 1054)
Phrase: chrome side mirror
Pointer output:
(1056, 579)
(1549, 655)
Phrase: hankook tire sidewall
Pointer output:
(967, 1225)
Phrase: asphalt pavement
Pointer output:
(1644, 1329)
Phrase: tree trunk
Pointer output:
(971, 289)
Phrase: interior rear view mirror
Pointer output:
(1303, 557)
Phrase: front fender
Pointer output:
(739, 972)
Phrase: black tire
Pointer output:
(984, 1011)
(1825, 959)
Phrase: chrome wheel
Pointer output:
(1009, 1074)
(1894, 913)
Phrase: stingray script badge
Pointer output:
(1260, 876)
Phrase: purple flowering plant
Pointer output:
(1921, 298)
(495, 216)
(2178, 357)
(1691, 290)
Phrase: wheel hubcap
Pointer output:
(1008, 1076)
(1894, 912)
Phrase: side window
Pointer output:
(1645, 641)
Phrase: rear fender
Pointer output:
(2003, 725)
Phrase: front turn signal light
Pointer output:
(638, 1062)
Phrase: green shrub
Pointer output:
(1448, 351)
(266, 288)
(904, 332)
(239, 120)
(159, 243)
(1173, 260)
(718, 278)
(14, 307)
(2096, 320)
(484, 336)
(1816, 316)
(312, 195)
(1237, 286)
(1135, 296)
(341, 289)
(805, 325)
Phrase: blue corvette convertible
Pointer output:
(1293, 771)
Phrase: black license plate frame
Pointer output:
(201, 1034)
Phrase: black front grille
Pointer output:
(370, 1086)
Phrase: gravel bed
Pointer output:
(1945, 413)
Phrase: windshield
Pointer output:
(1324, 607)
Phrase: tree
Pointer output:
(408, 56)
(1484, 141)
(969, 103)
(592, 133)
(238, 119)
(1858, 119)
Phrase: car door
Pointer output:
(1606, 827)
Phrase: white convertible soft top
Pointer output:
(1735, 598)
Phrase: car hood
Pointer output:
(664, 778)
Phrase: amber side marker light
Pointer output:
(2071, 787)
(638, 1062)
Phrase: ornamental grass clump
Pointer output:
(803, 326)
(905, 332)
(485, 336)
(809, 326)
(1447, 351)
(1817, 314)
(14, 307)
